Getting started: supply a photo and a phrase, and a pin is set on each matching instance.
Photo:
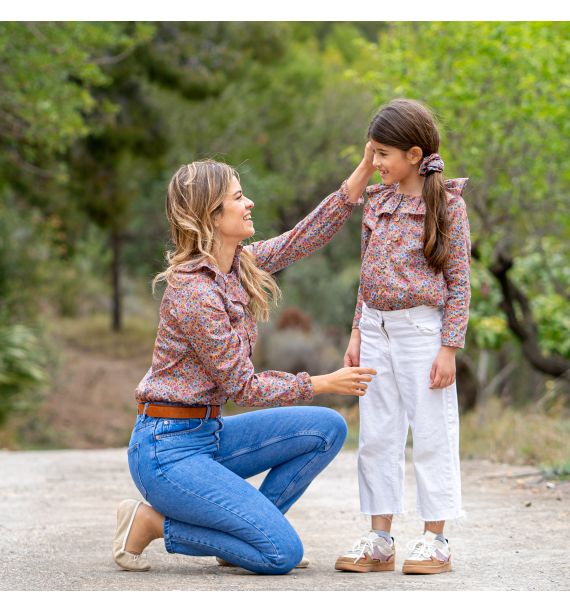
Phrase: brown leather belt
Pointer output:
(179, 412)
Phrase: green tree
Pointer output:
(502, 92)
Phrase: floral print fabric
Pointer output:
(395, 272)
(205, 339)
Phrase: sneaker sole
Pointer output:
(350, 566)
(410, 568)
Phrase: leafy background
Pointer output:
(95, 118)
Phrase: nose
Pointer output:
(250, 203)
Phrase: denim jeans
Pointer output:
(193, 472)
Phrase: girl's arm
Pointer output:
(456, 274)
(319, 226)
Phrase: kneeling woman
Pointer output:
(187, 461)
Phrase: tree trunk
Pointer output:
(521, 322)
(116, 306)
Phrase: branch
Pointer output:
(523, 325)
(113, 59)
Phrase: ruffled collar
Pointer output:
(389, 200)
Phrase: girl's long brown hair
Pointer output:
(195, 196)
(405, 124)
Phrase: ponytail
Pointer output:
(436, 234)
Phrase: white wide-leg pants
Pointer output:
(402, 345)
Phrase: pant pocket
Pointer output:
(427, 324)
(133, 455)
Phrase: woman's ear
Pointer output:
(414, 155)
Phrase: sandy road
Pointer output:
(57, 517)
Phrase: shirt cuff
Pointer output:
(452, 339)
(306, 391)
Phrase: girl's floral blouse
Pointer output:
(205, 339)
(395, 272)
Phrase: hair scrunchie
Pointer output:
(431, 163)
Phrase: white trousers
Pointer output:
(402, 345)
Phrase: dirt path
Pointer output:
(57, 520)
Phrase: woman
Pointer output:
(187, 461)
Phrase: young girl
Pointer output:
(411, 317)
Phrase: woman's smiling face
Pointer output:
(234, 223)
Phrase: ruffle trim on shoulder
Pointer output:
(378, 188)
(455, 186)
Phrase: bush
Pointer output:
(22, 368)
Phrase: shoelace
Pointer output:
(361, 547)
(420, 548)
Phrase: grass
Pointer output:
(494, 431)
(93, 334)
(523, 436)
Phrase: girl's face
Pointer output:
(395, 165)
(234, 223)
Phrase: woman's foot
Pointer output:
(138, 525)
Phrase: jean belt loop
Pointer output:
(144, 411)
(208, 412)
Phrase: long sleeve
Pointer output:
(358, 309)
(203, 319)
(310, 234)
(364, 240)
(457, 277)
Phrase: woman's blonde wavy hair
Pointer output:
(195, 196)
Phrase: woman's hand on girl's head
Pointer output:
(368, 157)
(443, 368)
(346, 381)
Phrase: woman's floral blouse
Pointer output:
(206, 335)
(395, 272)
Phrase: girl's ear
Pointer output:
(415, 155)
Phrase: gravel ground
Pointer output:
(57, 518)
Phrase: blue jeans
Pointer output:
(193, 472)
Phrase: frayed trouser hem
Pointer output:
(457, 516)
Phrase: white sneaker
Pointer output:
(372, 553)
(426, 555)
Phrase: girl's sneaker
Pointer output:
(372, 553)
(426, 555)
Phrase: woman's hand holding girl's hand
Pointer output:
(443, 369)
(352, 355)
(346, 381)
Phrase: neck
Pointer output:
(224, 254)
(411, 185)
